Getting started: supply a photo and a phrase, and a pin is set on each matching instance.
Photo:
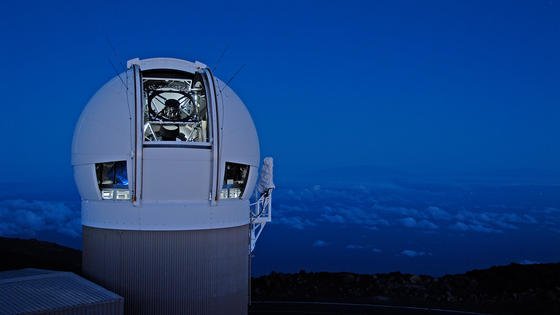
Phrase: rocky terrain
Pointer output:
(512, 289)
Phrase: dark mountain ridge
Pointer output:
(18, 253)
(511, 289)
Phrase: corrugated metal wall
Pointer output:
(171, 272)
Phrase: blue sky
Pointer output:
(439, 86)
(354, 92)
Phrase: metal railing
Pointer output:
(260, 215)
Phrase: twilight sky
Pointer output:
(440, 86)
(369, 93)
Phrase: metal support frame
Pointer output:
(261, 214)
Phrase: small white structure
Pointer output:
(166, 159)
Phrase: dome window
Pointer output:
(112, 180)
(235, 180)
(175, 107)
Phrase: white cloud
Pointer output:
(400, 211)
(376, 207)
(425, 224)
(550, 210)
(363, 247)
(354, 246)
(460, 226)
(408, 222)
(296, 222)
(320, 243)
(529, 219)
(413, 253)
(422, 224)
(335, 218)
(438, 214)
(28, 217)
(528, 262)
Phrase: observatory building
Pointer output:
(166, 160)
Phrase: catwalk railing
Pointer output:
(260, 215)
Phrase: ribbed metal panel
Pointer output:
(171, 272)
(35, 291)
(19, 273)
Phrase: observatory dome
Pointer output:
(164, 146)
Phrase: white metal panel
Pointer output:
(176, 173)
(166, 63)
(165, 216)
(251, 182)
(137, 136)
(213, 108)
(86, 181)
(240, 142)
(172, 178)
(110, 214)
(103, 129)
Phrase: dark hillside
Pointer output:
(512, 289)
(18, 253)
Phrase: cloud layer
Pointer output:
(413, 253)
(391, 206)
(26, 218)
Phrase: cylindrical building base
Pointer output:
(171, 272)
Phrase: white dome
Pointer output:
(165, 145)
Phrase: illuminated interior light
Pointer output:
(235, 180)
(107, 194)
(112, 179)
(234, 193)
(122, 194)
(224, 194)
